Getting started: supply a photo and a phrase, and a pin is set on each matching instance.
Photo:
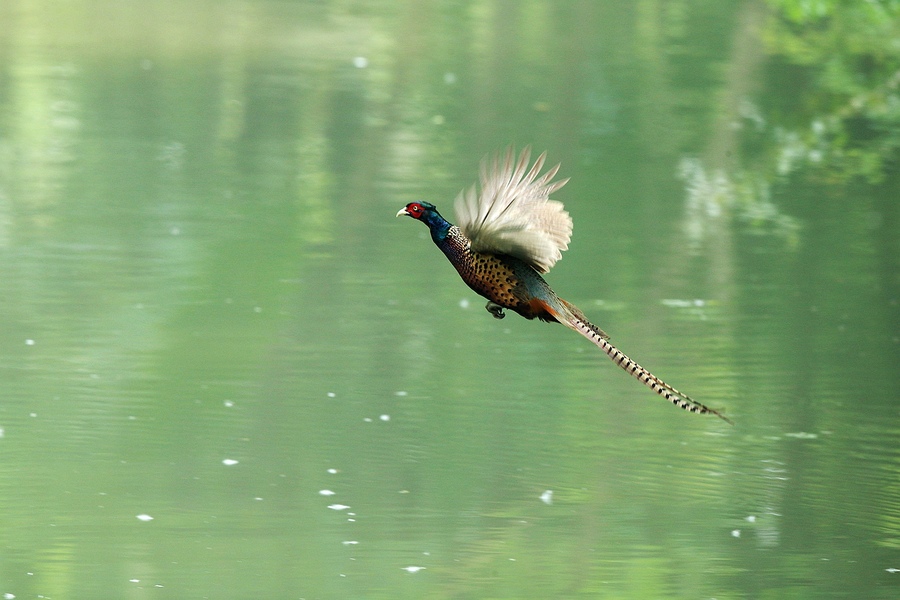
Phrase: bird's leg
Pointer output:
(495, 309)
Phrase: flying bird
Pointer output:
(506, 236)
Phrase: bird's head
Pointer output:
(420, 211)
(428, 214)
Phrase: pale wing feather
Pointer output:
(514, 214)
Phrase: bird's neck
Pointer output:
(439, 227)
(449, 239)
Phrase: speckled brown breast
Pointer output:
(489, 275)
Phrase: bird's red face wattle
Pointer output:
(415, 210)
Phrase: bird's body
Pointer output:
(507, 236)
(505, 280)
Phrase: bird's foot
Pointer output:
(495, 309)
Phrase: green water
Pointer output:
(229, 372)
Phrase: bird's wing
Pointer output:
(514, 214)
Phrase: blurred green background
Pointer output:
(229, 372)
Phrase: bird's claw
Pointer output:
(495, 309)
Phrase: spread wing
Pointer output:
(514, 214)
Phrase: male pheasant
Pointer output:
(507, 236)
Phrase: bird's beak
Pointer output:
(402, 212)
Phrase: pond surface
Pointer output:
(229, 372)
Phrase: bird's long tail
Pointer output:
(576, 320)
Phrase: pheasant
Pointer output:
(511, 233)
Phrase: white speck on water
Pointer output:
(2, 432)
(751, 518)
(350, 543)
(351, 520)
(229, 462)
(385, 417)
(257, 309)
(29, 342)
(736, 533)
(676, 303)
(464, 303)
(892, 570)
(326, 493)
(331, 394)
(400, 393)
(9, 596)
(175, 231)
(802, 435)
(258, 498)
(367, 419)
(332, 471)
(360, 62)
(412, 569)
(144, 518)
(547, 497)
(338, 506)
(32, 415)
(134, 580)
(449, 78)
(228, 403)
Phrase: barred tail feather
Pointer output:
(679, 399)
